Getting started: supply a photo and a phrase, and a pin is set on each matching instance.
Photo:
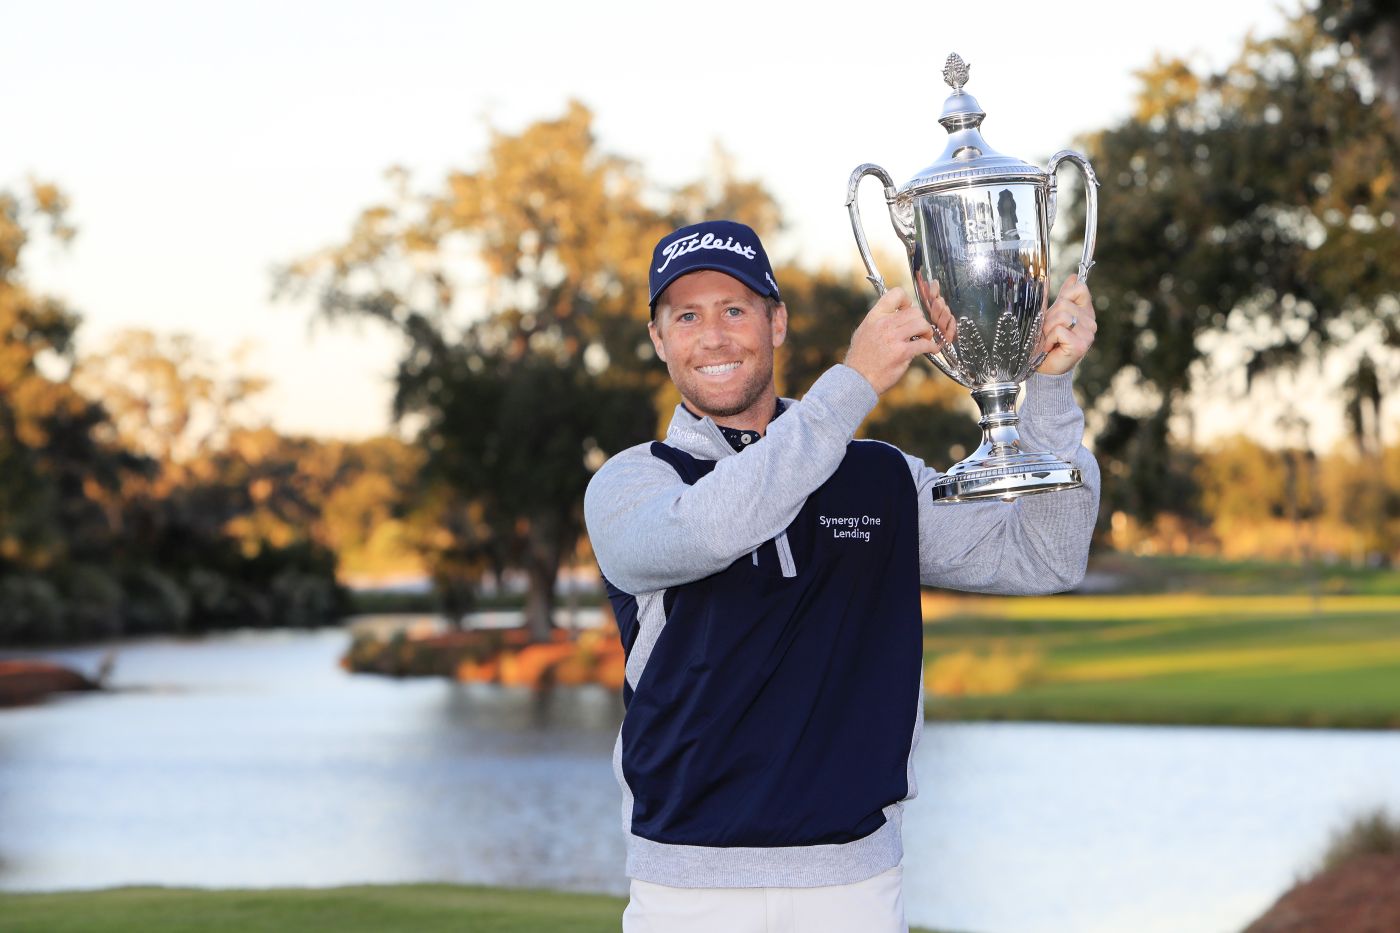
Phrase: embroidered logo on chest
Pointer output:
(850, 527)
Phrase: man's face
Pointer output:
(717, 341)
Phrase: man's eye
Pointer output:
(687, 317)
(733, 312)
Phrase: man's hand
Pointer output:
(1069, 328)
(932, 294)
(892, 334)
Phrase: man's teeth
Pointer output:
(721, 368)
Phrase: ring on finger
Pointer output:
(1073, 321)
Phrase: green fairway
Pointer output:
(1291, 660)
(417, 908)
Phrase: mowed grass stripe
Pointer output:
(1305, 657)
(938, 606)
(1104, 639)
(1351, 699)
(420, 908)
(1233, 660)
(412, 908)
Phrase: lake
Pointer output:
(250, 759)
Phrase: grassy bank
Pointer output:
(1192, 640)
(419, 908)
(1214, 576)
(1291, 660)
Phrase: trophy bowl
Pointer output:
(976, 225)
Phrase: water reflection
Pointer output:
(520, 711)
(252, 760)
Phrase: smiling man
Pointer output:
(764, 568)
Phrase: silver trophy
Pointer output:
(978, 222)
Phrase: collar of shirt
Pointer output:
(739, 439)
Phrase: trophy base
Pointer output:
(991, 474)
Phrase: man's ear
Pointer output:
(779, 325)
(655, 334)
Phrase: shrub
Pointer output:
(94, 601)
(213, 596)
(30, 610)
(303, 599)
(155, 603)
(1374, 833)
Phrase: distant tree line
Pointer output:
(134, 495)
(1248, 219)
(1256, 205)
(518, 290)
(1251, 210)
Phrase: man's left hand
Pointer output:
(1069, 328)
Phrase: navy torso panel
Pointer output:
(779, 710)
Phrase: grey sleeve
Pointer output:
(649, 530)
(1037, 544)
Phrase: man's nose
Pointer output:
(714, 336)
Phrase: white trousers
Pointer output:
(875, 905)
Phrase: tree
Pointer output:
(168, 396)
(59, 466)
(1363, 395)
(367, 517)
(1373, 29)
(1257, 205)
(519, 290)
(517, 384)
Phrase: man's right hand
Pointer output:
(892, 334)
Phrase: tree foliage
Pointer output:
(1372, 28)
(56, 471)
(519, 290)
(133, 498)
(167, 396)
(1257, 204)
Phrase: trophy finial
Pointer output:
(955, 72)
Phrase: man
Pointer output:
(764, 568)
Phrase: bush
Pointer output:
(303, 599)
(213, 596)
(94, 601)
(155, 603)
(30, 610)
(1374, 833)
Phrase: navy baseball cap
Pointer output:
(723, 245)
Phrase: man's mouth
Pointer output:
(718, 369)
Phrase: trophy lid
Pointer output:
(967, 159)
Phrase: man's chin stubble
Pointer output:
(729, 411)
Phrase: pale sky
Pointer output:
(202, 144)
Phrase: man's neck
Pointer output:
(754, 418)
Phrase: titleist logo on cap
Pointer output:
(721, 245)
(689, 244)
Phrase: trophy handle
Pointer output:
(1091, 211)
(904, 231)
(853, 208)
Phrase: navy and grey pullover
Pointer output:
(768, 602)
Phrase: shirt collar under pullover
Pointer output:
(739, 439)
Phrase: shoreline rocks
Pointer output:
(24, 682)
(499, 656)
(1360, 895)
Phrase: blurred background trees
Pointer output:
(518, 290)
(1247, 230)
(135, 496)
(1246, 216)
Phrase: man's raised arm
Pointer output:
(649, 530)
